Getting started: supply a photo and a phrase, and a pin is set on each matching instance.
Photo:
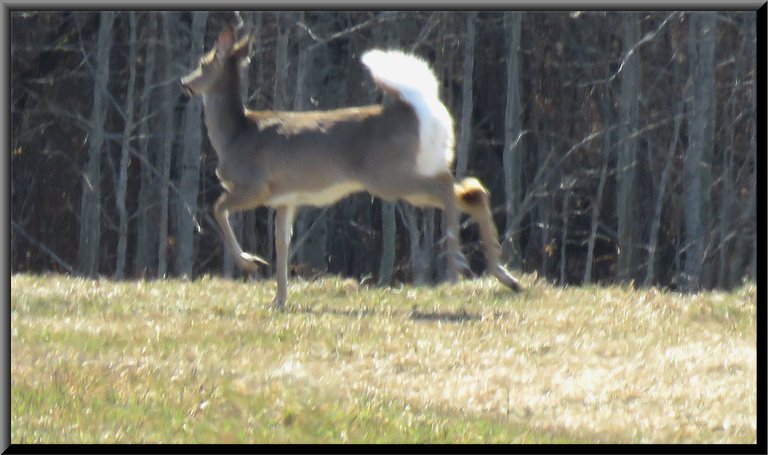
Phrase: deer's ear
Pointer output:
(241, 49)
(226, 39)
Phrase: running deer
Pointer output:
(401, 150)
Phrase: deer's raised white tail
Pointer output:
(410, 79)
(397, 151)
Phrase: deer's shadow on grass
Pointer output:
(458, 315)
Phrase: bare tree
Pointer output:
(625, 174)
(170, 93)
(727, 203)
(122, 182)
(465, 130)
(90, 206)
(696, 172)
(751, 211)
(513, 136)
(189, 172)
(708, 37)
(604, 100)
(145, 219)
(660, 193)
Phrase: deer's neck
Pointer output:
(224, 113)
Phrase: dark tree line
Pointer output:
(617, 146)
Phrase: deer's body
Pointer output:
(327, 145)
(402, 150)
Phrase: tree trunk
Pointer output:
(168, 130)
(513, 130)
(696, 173)
(751, 213)
(545, 212)
(388, 244)
(281, 98)
(465, 135)
(660, 193)
(122, 182)
(753, 218)
(90, 207)
(421, 228)
(746, 244)
(564, 236)
(189, 161)
(605, 100)
(708, 93)
(625, 177)
(148, 190)
(727, 200)
(357, 213)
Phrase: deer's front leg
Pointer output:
(283, 230)
(221, 209)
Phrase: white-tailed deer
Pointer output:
(403, 150)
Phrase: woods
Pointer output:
(618, 147)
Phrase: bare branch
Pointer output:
(19, 229)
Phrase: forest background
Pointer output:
(618, 146)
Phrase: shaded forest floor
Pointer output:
(210, 361)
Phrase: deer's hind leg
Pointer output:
(473, 199)
(470, 197)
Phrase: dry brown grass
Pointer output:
(601, 364)
(576, 364)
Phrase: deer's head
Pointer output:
(226, 58)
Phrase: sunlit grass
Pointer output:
(211, 361)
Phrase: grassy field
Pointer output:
(210, 361)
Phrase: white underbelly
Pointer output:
(321, 197)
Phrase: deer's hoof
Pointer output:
(507, 279)
(253, 259)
